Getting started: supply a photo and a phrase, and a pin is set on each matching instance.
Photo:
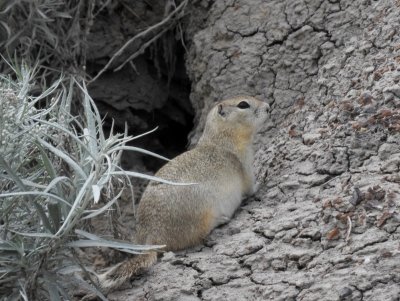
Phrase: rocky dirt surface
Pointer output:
(325, 223)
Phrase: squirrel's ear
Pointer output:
(221, 111)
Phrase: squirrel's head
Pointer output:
(239, 112)
(233, 122)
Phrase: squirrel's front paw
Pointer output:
(254, 188)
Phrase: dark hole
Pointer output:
(174, 119)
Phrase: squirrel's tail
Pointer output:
(117, 275)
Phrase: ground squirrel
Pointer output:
(221, 165)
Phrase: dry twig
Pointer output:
(349, 226)
(179, 8)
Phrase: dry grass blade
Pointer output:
(349, 227)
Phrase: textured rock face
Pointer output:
(325, 223)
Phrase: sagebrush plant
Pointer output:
(53, 167)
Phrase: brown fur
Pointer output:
(180, 217)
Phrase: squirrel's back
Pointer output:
(181, 216)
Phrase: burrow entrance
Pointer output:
(148, 94)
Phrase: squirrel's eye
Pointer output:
(243, 105)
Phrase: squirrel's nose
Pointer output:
(267, 108)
